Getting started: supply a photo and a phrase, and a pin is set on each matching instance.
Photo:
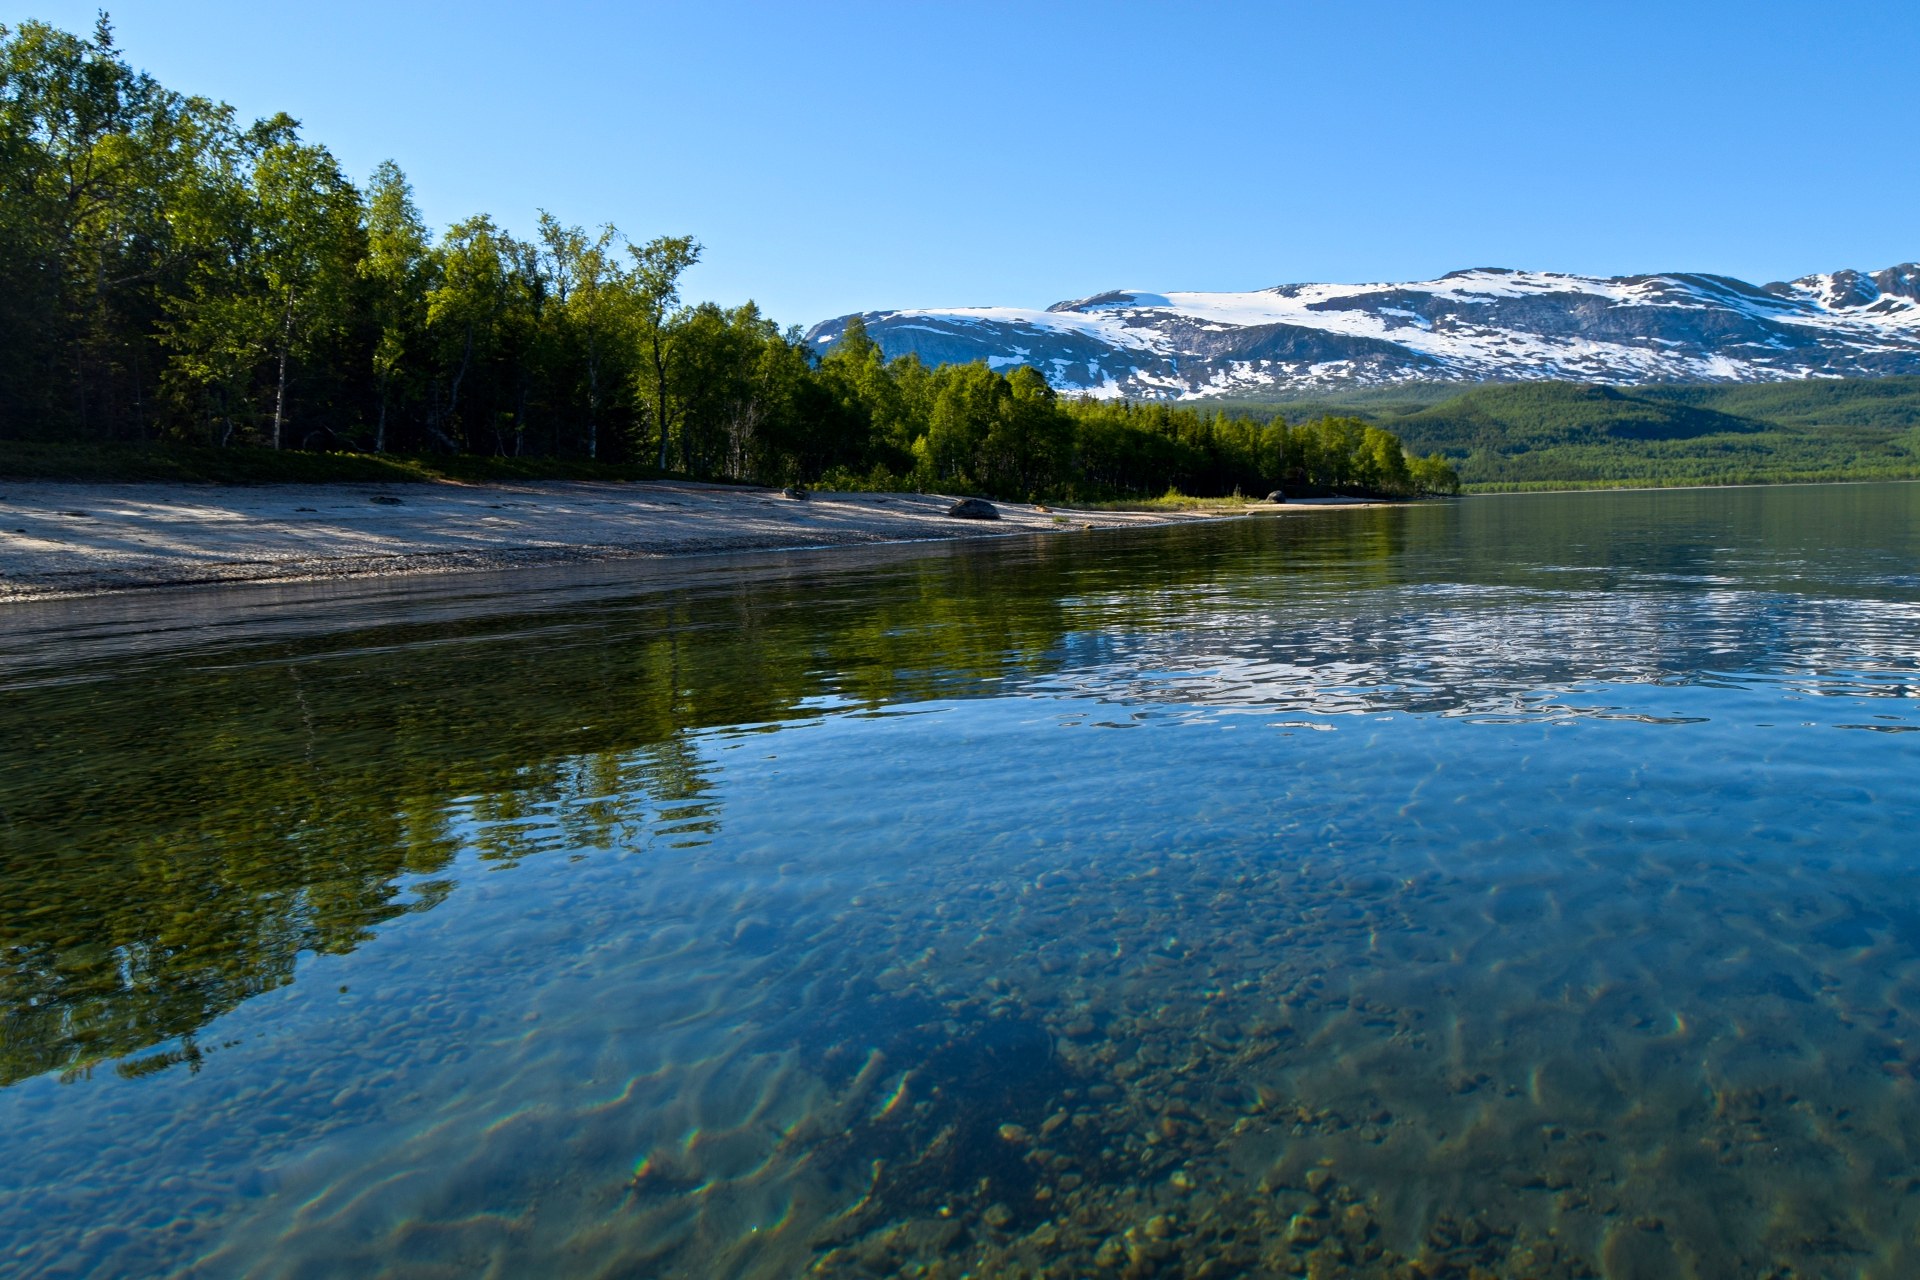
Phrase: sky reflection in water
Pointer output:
(1520, 884)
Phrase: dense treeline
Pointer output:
(1560, 434)
(1557, 435)
(169, 272)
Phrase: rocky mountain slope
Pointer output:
(1489, 324)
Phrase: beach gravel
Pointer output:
(84, 539)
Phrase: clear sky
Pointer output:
(847, 156)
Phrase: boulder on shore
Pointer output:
(1277, 495)
(973, 509)
(795, 492)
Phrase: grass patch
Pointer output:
(1171, 500)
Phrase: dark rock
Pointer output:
(795, 492)
(973, 509)
(385, 500)
(1277, 496)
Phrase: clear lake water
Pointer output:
(1510, 887)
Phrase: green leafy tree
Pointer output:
(1432, 473)
(90, 152)
(167, 268)
(466, 310)
(588, 288)
(398, 269)
(1029, 448)
(653, 285)
(273, 234)
(310, 242)
(1380, 462)
(217, 321)
(770, 437)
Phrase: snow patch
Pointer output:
(1466, 325)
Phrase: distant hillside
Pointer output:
(1561, 434)
(1532, 416)
(1889, 403)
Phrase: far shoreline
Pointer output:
(1685, 488)
(62, 540)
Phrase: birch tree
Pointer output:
(587, 283)
(654, 286)
(309, 243)
(398, 269)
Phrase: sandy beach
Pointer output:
(85, 539)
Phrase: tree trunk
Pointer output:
(280, 399)
(280, 395)
(660, 395)
(380, 428)
(593, 396)
(139, 395)
(453, 394)
(520, 421)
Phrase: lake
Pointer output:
(1518, 886)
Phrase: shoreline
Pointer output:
(1684, 488)
(68, 540)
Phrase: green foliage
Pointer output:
(397, 271)
(1881, 403)
(1556, 435)
(653, 287)
(1137, 450)
(177, 277)
(169, 273)
(1375, 403)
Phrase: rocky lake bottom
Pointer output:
(1513, 887)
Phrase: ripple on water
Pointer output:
(1436, 911)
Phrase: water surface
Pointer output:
(1520, 884)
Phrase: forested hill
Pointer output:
(1559, 434)
(172, 273)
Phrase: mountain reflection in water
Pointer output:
(1504, 884)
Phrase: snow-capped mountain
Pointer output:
(1486, 324)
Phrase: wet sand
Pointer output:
(86, 539)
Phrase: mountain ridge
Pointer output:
(1482, 324)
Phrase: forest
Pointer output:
(174, 276)
(1564, 435)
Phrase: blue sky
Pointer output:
(855, 155)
